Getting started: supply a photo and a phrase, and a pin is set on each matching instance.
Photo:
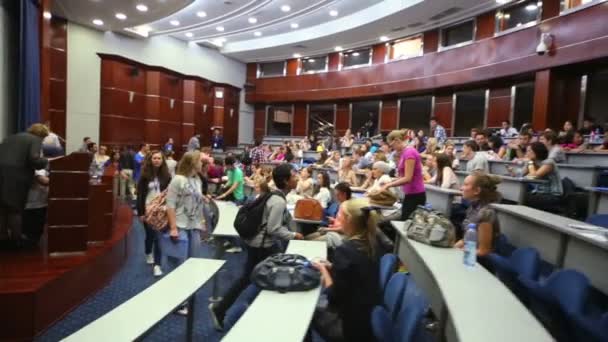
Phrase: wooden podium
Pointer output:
(79, 210)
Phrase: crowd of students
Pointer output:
(401, 165)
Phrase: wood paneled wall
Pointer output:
(389, 117)
(499, 57)
(53, 70)
(499, 106)
(342, 117)
(140, 103)
(444, 111)
(300, 119)
(259, 121)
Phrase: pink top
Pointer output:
(280, 157)
(416, 186)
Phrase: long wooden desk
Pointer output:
(460, 297)
(582, 175)
(275, 316)
(441, 199)
(139, 314)
(588, 158)
(598, 200)
(556, 241)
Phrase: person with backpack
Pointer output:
(154, 179)
(261, 224)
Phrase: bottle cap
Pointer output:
(472, 226)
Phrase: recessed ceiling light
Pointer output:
(120, 16)
(356, 54)
(531, 7)
(338, 48)
(201, 14)
(253, 20)
(296, 55)
(174, 22)
(333, 13)
(285, 8)
(220, 28)
(98, 22)
(189, 34)
(294, 25)
(142, 8)
(47, 15)
(384, 39)
(311, 60)
(502, 1)
(257, 33)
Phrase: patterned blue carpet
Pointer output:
(134, 277)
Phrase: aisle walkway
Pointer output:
(135, 276)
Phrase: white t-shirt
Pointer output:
(324, 197)
(171, 165)
(378, 183)
(449, 180)
(38, 194)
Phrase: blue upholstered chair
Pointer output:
(388, 265)
(523, 262)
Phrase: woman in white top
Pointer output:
(99, 161)
(322, 193)
(333, 161)
(347, 140)
(378, 177)
(305, 185)
(171, 163)
(346, 172)
(444, 176)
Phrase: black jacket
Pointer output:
(142, 192)
(20, 156)
(126, 160)
(355, 290)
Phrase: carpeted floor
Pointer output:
(134, 277)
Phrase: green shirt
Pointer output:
(236, 176)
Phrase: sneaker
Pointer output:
(227, 244)
(150, 259)
(215, 319)
(157, 271)
(183, 311)
(234, 249)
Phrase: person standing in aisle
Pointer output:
(155, 178)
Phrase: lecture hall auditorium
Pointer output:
(319, 170)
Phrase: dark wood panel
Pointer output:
(152, 132)
(187, 131)
(58, 64)
(69, 184)
(499, 109)
(189, 90)
(172, 130)
(58, 122)
(57, 95)
(123, 76)
(68, 211)
(259, 121)
(231, 124)
(67, 238)
(152, 107)
(100, 212)
(118, 102)
(550, 9)
(58, 32)
(430, 41)
(300, 120)
(379, 52)
(188, 112)
(333, 61)
(168, 113)
(502, 56)
(389, 115)
(485, 26)
(252, 71)
(292, 66)
(203, 119)
(444, 112)
(218, 117)
(153, 82)
(542, 89)
(121, 130)
(342, 117)
(171, 86)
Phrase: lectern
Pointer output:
(68, 208)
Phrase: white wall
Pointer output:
(84, 71)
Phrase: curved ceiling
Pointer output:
(260, 30)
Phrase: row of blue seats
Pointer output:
(562, 300)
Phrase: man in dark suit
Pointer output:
(20, 156)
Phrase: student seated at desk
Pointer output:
(346, 172)
(444, 175)
(546, 196)
(334, 161)
(604, 146)
(574, 142)
(275, 226)
(323, 156)
(351, 279)
(332, 234)
(550, 140)
(233, 189)
(305, 185)
(322, 191)
(497, 148)
(377, 177)
(480, 190)
(449, 149)
(479, 159)
(428, 169)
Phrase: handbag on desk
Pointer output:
(430, 227)
(286, 273)
(308, 209)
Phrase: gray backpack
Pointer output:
(430, 227)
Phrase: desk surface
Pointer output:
(434, 188)
(480, 307)
(556, 222)
(135, 316)
(600, 190)
(225, 225)
(509, 178)
(275, 316)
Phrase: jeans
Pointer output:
(151, 243)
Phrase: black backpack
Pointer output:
(248, 220)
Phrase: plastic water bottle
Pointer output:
(428, 206)
(470, 245)
(597, 135)
(592, 137)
